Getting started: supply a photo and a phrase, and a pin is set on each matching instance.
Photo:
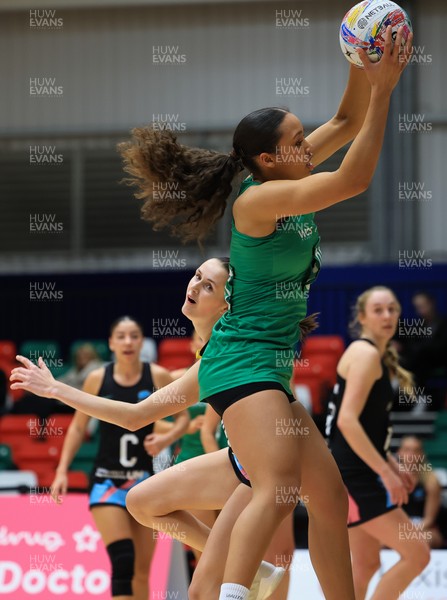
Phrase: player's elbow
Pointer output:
(358, 184)
(361, 185)
(354, 186)
(348, 184)
(344, 422)
(348, 126)
(133, 421)
(131, 425)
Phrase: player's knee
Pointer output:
(143, 507)
(285, 495)
(420, 557)
(364, 568)
(135, 504)
(122, 558)
(333, 506)
(194, 591)
(416, 555)
(132, 501)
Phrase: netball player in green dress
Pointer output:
(246, 368)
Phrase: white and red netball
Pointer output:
(364, 26)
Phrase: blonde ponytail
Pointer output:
(404, 377)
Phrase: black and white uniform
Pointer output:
(122, 461)
(368, 497)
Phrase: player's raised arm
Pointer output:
(169, 400)
(311, 194)
(347, 121)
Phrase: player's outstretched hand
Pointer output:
(386, 73)
(196, 424)
(154, 443)
(36, 379)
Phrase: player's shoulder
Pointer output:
(246, 196)
(363, 350)
(160, 375)
(432, 482)
(96, 376)
(157, 369)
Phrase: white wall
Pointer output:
(431, 585)
(432, 151)
(234, 53)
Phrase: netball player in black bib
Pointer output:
(122, 461)
(359, 435)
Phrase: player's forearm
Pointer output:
(361, 159)
(163, 427)
(393, 463)
(164, 402)
(119, 413)
(179, 428)
(72, 443)
(354, 103)
(208, 440)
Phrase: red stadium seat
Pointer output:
(36, 451)
(175, 353)
(319, 374)
(19, 424)
(55, 428)
(323, 344)
(8, 351)
(77, 479)
(57, 425)
(6, 366)
(46, 477)
(316, 389)
(23, 430)
(44, 473)
(40, 457)
(325, 366)
(322, 366)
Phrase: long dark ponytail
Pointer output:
(308, 325)
(198, 181)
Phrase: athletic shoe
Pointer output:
(266, 580)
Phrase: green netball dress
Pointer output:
(267, 293)
(191, 443)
